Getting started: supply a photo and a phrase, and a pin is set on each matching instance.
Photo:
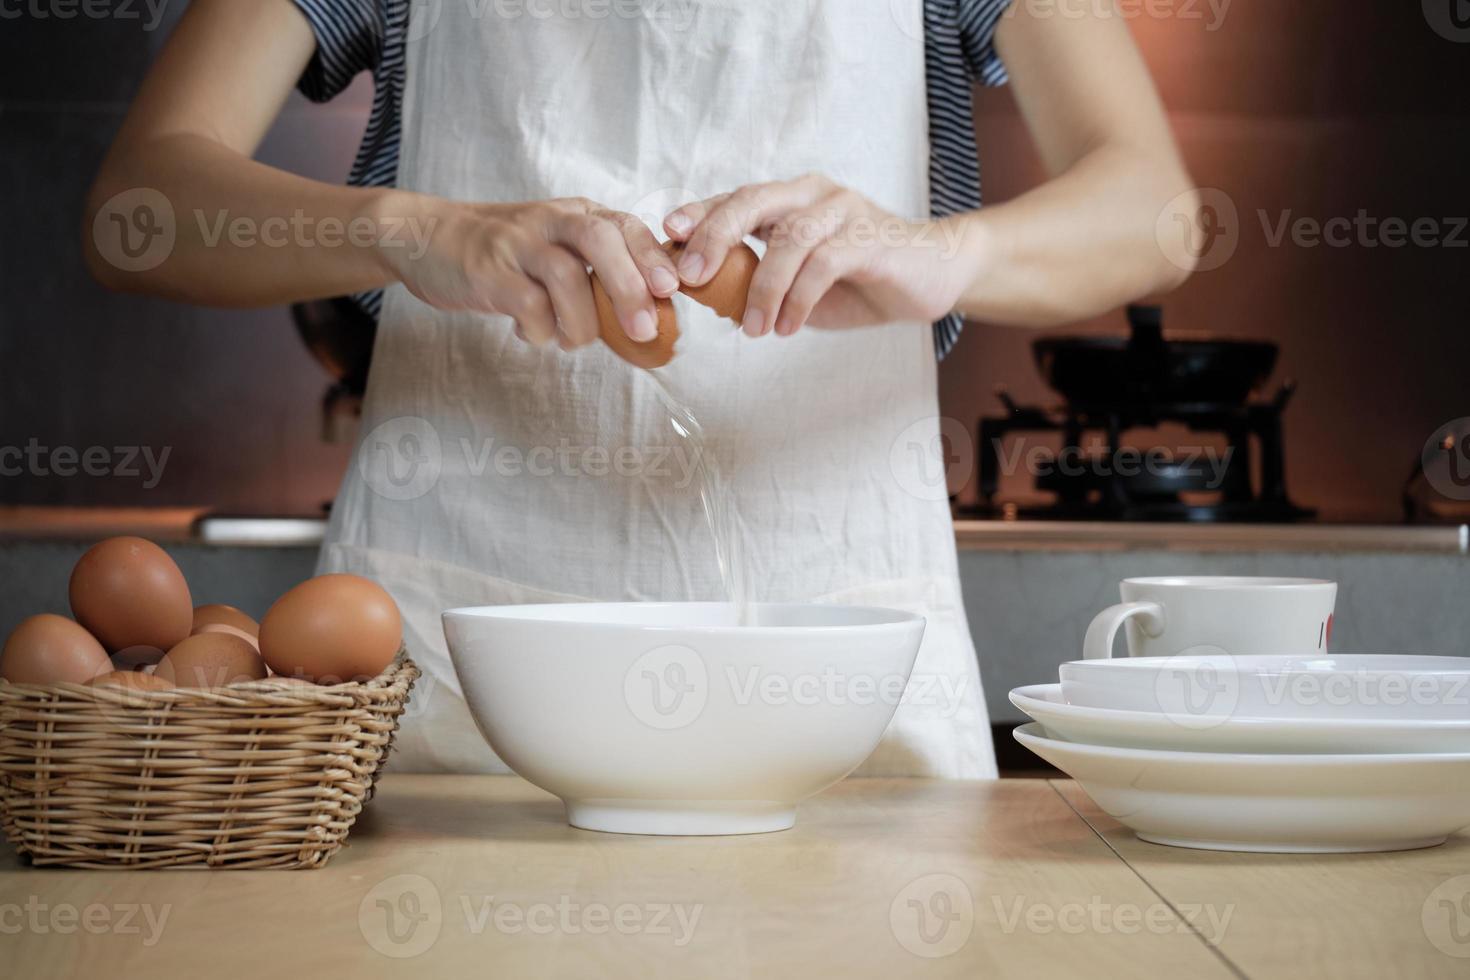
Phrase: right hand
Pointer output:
(530, 262)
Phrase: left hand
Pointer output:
(833, 258)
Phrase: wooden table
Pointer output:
(454, 876)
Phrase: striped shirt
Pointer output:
(354, 36)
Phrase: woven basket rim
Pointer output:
(270, 691)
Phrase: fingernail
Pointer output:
(680, 223)
(691, 268)
(753, 323)
(644, 327)
(663, 280)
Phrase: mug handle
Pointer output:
(1098, 645)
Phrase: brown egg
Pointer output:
(134, 680)
(50, 649)
(656, 352)
(332, 628)
(250, 638)
(128, 592)
(136, 658)
(291, 681)
(211, 660)
(222, 615)
(727, 292)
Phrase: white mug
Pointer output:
(1203, 614)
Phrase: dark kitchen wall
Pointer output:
(1306, 107)
(225, 403)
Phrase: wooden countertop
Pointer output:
(453, 876)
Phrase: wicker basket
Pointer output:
(269, 774)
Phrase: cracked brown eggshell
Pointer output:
(729, 290)
(653, 354)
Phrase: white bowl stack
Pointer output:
(1320, 754)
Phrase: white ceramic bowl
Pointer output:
(1205, 690)
(1274, 803)
(668, 718)
(1155, 730)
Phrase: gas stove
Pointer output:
(1095, 474)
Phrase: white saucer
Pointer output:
(1311, 804)
(1171, 732)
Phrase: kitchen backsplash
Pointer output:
(1298, 112)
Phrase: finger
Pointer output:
(825, 266)
(681, 221)
(569, 287)
(650, 257)
(527, 304)
(793, 239)
(739, 215)
(601, 245)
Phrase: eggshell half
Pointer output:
(728, 291)
(653, 354)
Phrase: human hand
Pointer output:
(530, 262)
(834, 258)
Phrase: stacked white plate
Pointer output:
(1286, 754)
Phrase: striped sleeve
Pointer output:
(349, 40)
(960, 49)
(977, 21)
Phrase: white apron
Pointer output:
(491, 472)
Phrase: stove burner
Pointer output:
(1118, 483)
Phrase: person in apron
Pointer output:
(537, 140)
